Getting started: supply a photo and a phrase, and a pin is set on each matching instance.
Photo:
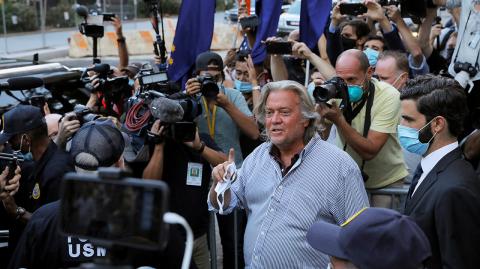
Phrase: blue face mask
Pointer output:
(242, 86)
(355, 93)
(310, 89)
(409, 139)
(372, 56)
(131, 82)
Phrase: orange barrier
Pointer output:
(140, 42)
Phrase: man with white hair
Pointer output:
(289, 182)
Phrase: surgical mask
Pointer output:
(310, 89)
(131, 82)
(372, 56)
(414, 140)
(348, 43)
(244, 87)
(355, 93)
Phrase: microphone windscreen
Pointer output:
(82, 11)
(22, 83)
(166, 110)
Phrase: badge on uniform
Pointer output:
(194, 174)
(36, 191)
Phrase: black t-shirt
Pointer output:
(188, 200)
(42, 246)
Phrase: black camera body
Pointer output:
(83, 114)
(335, 88)
(249, 22)
(209, 88)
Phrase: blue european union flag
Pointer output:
(268, 12)
(193, 36)
(313, 17)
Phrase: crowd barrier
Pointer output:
(140, 42)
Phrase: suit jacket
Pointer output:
(447, 207)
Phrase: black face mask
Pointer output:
(348, 43)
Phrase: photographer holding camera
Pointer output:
(375, 114)
(225, 115)
(186, 168)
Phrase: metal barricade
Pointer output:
(398, 195)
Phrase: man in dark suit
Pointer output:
(444, 197)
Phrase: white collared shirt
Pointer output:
(432, 159)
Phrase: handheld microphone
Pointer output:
(21, 83)
(82, 11)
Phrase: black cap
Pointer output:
(102, 140)
(208, 58)
(20, 119)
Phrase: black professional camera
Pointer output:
(84, 114)
(335, 88)
(249, 22)
(209, 88)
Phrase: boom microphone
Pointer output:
(166, 110)
(21, 83)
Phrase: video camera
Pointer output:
(155, 81)
(93, 24)
(209, 88)
(176, 112)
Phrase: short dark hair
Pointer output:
(438, 96)
(361, 28)
(379, 38)
(400, 58)
(242, 55)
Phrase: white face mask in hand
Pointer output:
(228, 178)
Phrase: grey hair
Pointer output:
(307, 107)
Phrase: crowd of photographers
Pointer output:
(293, 163)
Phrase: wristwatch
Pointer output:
(202, 147)
(19, 212)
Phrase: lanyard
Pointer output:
(210, 120)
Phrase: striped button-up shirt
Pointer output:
(323, 184)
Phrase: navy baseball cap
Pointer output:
(208, 58)
(20, 119)
(373, 238)
(101, 139)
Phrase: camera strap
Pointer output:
(368, 114)
(210, 118)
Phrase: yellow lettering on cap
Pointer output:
(353, 217)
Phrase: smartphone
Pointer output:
(126, 212)
(108, 16)
(279, 47)
(353, 9)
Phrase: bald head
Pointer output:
(52, 124)
(355, 57)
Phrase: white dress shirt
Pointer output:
(432, 159)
